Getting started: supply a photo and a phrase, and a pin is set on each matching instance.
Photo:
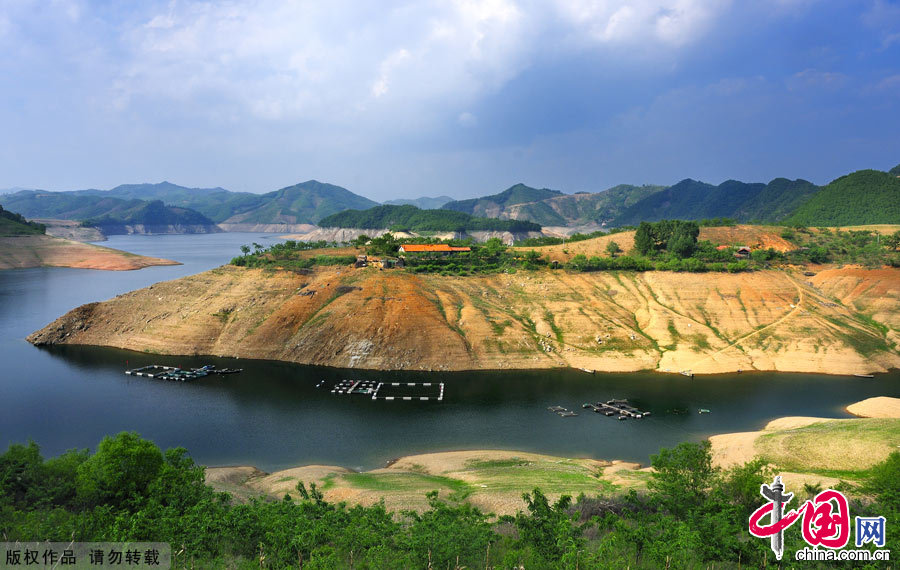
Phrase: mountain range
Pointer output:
(863, 197)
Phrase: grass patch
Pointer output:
(548, 316)
(327, 482)
(699, 342)
(224, 314)
(836, 448)
(408, 482)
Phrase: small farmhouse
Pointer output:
(742, 252)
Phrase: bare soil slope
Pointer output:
(755, 237)
(607, 321)
(46, 251)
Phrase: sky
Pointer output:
(456, 97)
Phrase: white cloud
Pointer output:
(409, 62)
(467, 119)
(641, 22)
(815, 79)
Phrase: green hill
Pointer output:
(66, 205)
(743, 201)
(599, 207)
(863, 197)
(217, 204)
(776, 201)
(424, 203)
(153, 216)
(490, 205)
(304, 203)
(12, 224)
(410, 218)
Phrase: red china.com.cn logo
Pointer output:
(825, 523)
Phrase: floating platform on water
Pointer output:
(618, 408)
(409, 391)
(864, 375)
(159, 372)
(166, 373)
(562, 412)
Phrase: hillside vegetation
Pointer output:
(152, 215)
(304, 203)
(13, 224)
(864, 197)
(424, 203)
(410, 218)
(693, 513)
(105, 212)
(490, 206)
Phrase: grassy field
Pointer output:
(835, 448)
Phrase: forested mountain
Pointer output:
(492, 206)
(69, 205)
(218, 204)
(403, 218)
(304, 203)
(423, 203)
(857, 198)
(864, 197)
(154, 216)
(742, 201)
(13, 224)
(583, 207)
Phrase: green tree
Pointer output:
(681, 476)
(884, 481)
(613, 249)
(644, 240)
(120, 472)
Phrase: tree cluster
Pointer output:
(410, 218)
(692, 515)
(674, 236)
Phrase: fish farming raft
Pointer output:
(408, 391)
(159, 372)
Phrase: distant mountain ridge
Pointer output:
(423, 203)
(856, 198)
(303, 203)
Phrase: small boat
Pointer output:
(588, 370)
(704, 411)
(622, 418)
(864, 375)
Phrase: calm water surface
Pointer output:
(273, 416)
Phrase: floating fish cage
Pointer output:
(423, 391)
(562, 412)
(160, 372)
(619, 408)
(167, 373)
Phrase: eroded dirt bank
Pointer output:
(46, 251)
(842, 321)
(798, 448)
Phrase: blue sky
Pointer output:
(454, 97)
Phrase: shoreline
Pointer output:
(493, 479)
(658, 321)
(890, 370)
(26, 252)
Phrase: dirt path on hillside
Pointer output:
(777, 322)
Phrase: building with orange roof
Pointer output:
(431, 248)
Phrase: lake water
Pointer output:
(273, 416)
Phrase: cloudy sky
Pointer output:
(457, 97)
